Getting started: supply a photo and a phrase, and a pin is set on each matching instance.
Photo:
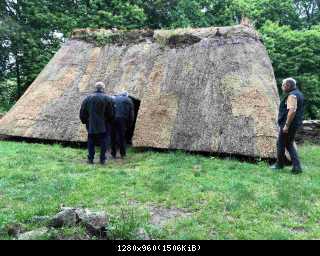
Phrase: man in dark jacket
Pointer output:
(123, 121)
(290, 118)
(97, 113)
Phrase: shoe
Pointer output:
(276, 166)
(296, 171)
(287, 163)
(103, 162)
(89, 161)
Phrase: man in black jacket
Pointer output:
(290, 118)
(97, 113)
(123, 121)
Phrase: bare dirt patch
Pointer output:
(298, 229)
(159, 216)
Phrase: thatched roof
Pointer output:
(210, 89)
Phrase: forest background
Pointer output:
(31, 31)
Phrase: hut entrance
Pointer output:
(130, 132)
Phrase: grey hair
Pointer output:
(291, 82)
(100, 86)
(124, 94)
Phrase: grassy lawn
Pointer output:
(196, 197)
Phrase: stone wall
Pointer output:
(310, 132)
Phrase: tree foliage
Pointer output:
(296, 53)
(28, 40)
(204, 13)
(31, 31)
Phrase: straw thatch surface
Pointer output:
(208, 89)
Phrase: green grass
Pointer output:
(224, 199)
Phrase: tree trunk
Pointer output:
(18, 78)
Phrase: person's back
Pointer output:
(123, 107)
(99, 107)
(123, 121)
(97, 113)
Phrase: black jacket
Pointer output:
(97, 110)
(283, 111)
(124, 108)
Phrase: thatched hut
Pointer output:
(206, 90)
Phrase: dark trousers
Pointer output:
(118, 136)
(97, 139)
(285, 141)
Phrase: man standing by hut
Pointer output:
(97, 113)
(290, 118)
(123, 122)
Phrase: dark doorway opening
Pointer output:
(130, 132)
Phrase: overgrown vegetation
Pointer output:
(103, 37)
(224, 198)
(296, 53)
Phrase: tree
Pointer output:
(123, 14)
(204, 13)
(158, 12)
(260, 11)
(27, 40)
(32, 30)
(296, 53)
(308, 11)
